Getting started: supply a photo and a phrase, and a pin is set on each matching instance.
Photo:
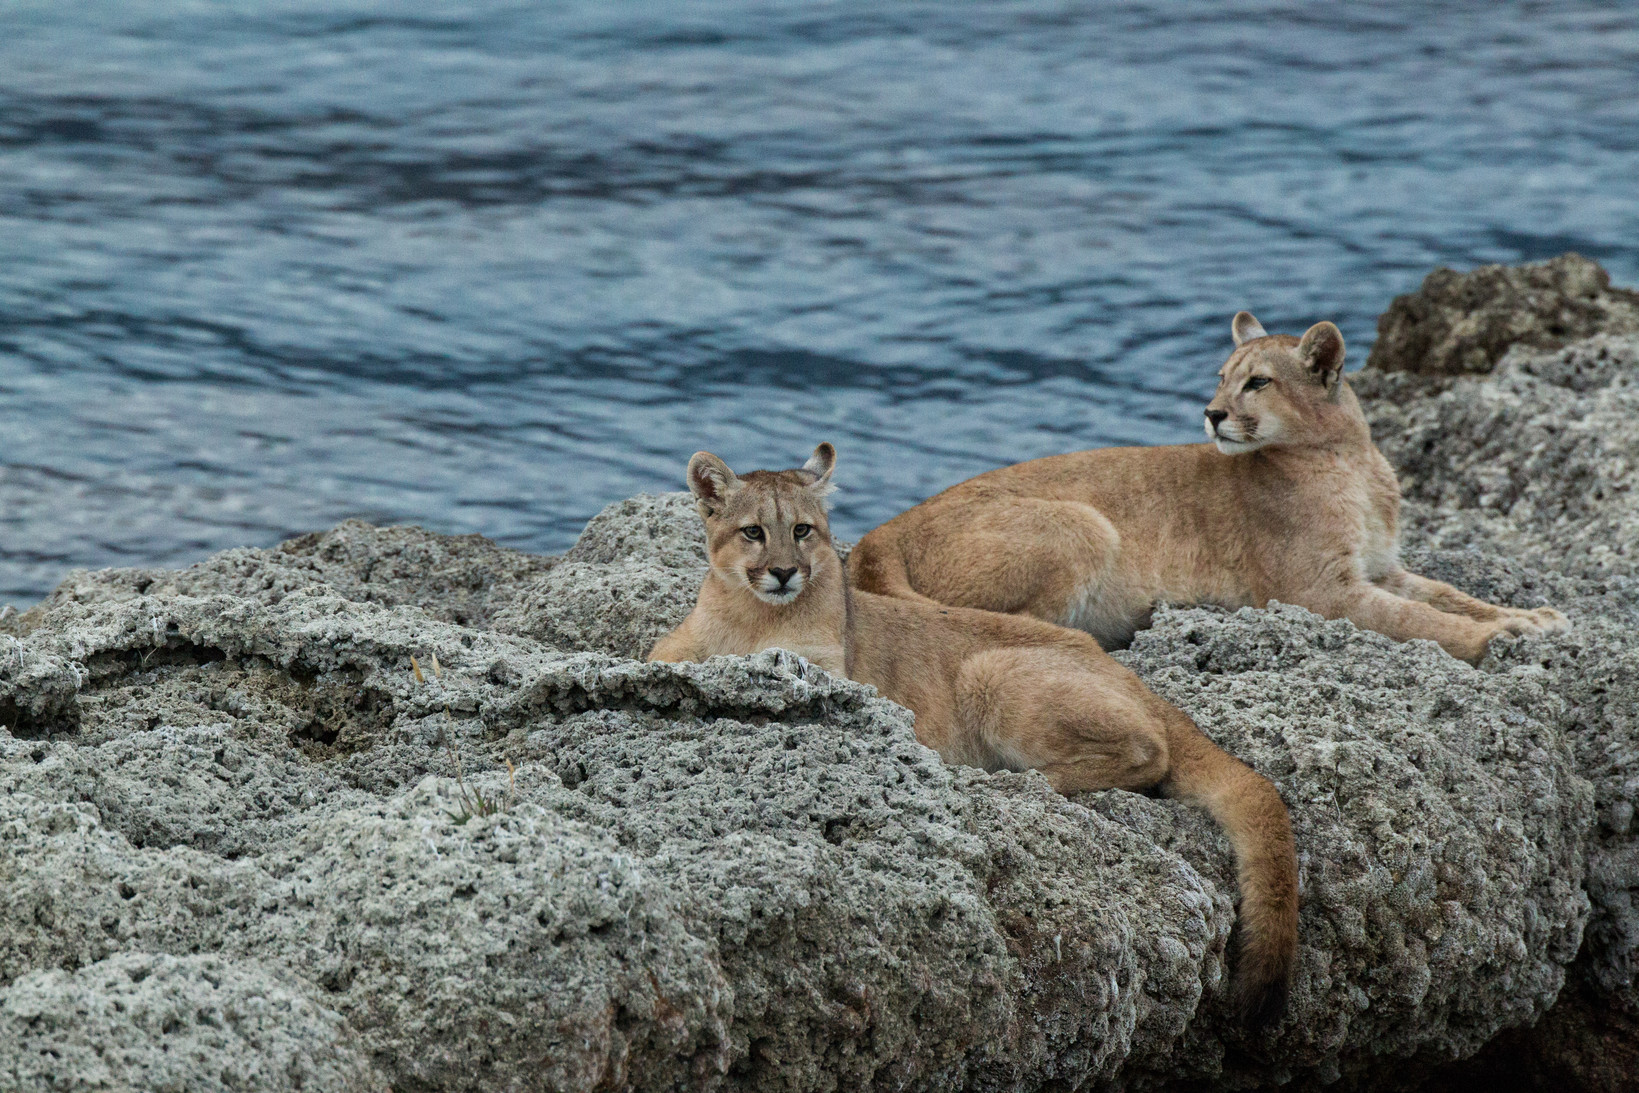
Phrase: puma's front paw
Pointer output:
(1534, 620)
(1472, 644)
(1522, 623)
(1548, 621)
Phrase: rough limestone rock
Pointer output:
(745, 874)
(1539, 460)
(631, 577)
(1590, 1040)
(166, 1024)
(1461, 323)
(1536, 463)
(1386, 755)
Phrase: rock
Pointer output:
(659, 529)
(1386, 756)
(190, 1024)
(1536, 462)
(1461, 323)
(450, 577)
(383, 808)
(1587, 1041)
(629, 579)
(1539, 460)
(747, 874)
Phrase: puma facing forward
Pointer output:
(1290, 501)
(994, 691)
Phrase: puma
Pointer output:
(1290, 501)
(995, 691)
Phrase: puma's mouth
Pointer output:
(1230, 438)
(769, 589)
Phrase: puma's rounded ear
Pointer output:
(820, 465)
(710, 480)
(1321, 352)
(1245, 328)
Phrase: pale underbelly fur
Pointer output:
(1111, 618)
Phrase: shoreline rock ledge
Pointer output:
(243, 846)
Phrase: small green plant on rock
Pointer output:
(473, 802)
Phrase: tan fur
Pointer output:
(1291, 501)
(995, 691)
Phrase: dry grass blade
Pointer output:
(473, 802)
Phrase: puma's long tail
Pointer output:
(1249, 809)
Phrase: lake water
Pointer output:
(488, 267)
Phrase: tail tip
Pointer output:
(1261, 1001)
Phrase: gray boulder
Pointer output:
(747, 874)
(1522, 482)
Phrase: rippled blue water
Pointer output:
(487, 267)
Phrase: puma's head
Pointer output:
(1277, 389)
(767, 531)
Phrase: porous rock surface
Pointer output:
(1538, 461)
(1520, 487)
(166, 1024)
(742, 874)
(1461, 323)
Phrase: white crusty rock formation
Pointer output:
(234, 853)
(1527, 483)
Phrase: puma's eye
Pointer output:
(801, 531)
(1256, 383)
(752, 532)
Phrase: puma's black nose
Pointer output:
(1215, 416)
(783, 575)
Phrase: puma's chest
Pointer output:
(1364, 510)
(1379, 550)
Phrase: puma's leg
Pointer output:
(1048, 559)
(1039, 709)
(679, 645)
(1375, 608)
(1443, 597)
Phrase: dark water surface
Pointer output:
(487, 267)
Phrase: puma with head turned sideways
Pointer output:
(1290, 500)
(1000, 692)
